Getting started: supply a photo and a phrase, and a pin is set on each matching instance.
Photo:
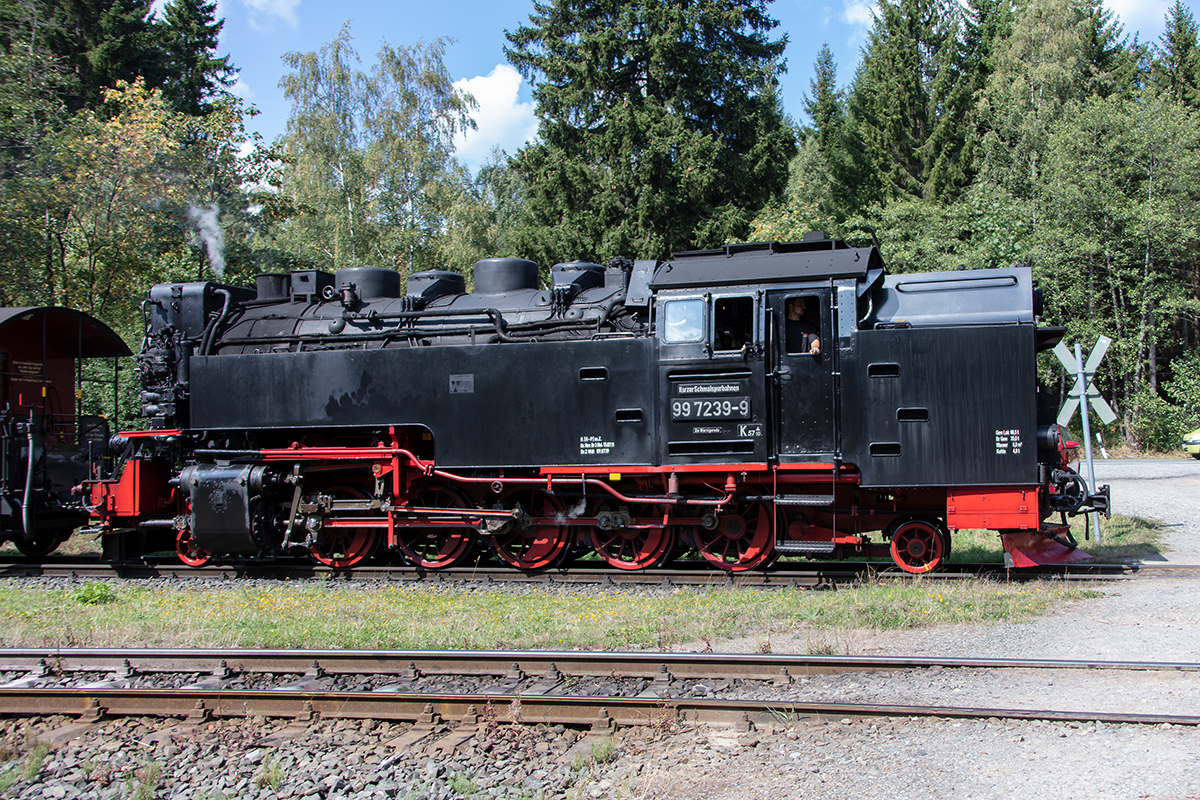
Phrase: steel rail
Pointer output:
(92, 705)
(670, 666)
(702, 575)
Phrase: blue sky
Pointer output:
(258, 32)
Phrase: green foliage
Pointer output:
(367, 163)
(1158, 425)
(148, 778)
(194, 74)
(901, 99)
(660, 127)
(34, 760)
(1176, 71)
(1119, 212)
(95, 593)
(271, 774)
(1184, 386)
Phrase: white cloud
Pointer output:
(1141, 15)
(502, 120)
(860, 13)
(243, 90)
(264, 13)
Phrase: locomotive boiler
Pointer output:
(634, 410)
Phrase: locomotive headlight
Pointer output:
(1048, 437)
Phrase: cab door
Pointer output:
(803, 383)
(711, 373)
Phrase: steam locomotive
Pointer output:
(633, 410)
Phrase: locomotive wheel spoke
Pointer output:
(345, 547)
(742, 539)
(436, 547)
(188, 552)
(917, 546)
(634, 548)
(535, 542)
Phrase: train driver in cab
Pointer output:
(801, 333)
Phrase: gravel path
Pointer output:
(1144, 619)
(1151, 619)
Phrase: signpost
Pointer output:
(1084, 393)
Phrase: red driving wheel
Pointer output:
(188, 552)
(641, 544)
(538, 539)
(437, 546)
(917, 546)
(741, 540)
(344, 546)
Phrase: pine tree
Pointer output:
(906, 104)
(194, 74)
(97, 43)
(831, 190)
(659, 123)
(1112, 61)
(825, 106)
(1176, 70)
(122, 47)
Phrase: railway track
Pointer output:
(684, 574)
(463, 690)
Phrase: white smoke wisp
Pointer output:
(573, 512)
(208, 225)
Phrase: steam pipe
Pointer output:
(28, 481)
(211, 333)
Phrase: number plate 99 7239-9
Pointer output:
(714, 408)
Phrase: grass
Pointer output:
(35, 760)
(428, 617)
(1122, 539)
(75, 546)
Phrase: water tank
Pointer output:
(370, 283)
(502, 275)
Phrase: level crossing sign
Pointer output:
(1083, 382)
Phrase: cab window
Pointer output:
(683, 321)
(802, 325)
(733, 323)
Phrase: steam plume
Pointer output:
(209, 228)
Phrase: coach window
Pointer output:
(733, 323)
(684, 321)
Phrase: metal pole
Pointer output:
(1087, 433)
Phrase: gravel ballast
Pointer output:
(1146, 619)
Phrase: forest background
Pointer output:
(973, 134)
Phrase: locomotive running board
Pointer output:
(799, 548)
(804, 499)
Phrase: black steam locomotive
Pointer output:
(634, 410)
